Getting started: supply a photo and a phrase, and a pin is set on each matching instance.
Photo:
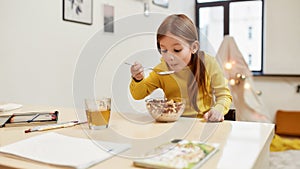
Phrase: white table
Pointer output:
(242, 144)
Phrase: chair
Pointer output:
(230, 115)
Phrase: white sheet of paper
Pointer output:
(57, 149)
(9, 106)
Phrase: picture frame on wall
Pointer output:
(79, 11)
(109, 14)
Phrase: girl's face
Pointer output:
(175, 51)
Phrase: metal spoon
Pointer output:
(158, 72)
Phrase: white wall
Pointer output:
(279, 93)
(282, 37)
(39, 51)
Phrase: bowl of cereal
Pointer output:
(165, 110)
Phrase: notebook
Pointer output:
(183, 154)
(57, 149)
(29, 119)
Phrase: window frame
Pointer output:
(226, 21)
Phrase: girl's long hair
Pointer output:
(181, 26)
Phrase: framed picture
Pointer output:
(109, 13)
(161, 3)
(79, 11)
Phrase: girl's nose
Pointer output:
(169, 57)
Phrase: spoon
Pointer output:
(158, 72)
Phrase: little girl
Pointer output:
(197, 78)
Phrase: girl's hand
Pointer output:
(213, 116)
(137, 71)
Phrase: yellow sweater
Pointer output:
(175, 85)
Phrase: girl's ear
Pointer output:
(195, 47)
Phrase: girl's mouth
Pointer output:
(173, 65)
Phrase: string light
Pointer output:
(237, 80)
(228, 66)
(247, 86)
(238, 76)
(232, 82)
(259, 92)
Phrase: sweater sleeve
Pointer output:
(143, 88)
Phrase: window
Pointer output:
(241, 19)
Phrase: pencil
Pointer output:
(52, 126)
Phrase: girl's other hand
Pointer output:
(137, 71)
(213, 116)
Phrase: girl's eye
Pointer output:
(163, 50)
(177, 50)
